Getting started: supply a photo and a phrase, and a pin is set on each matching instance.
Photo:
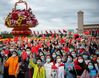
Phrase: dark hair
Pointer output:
(38, 59)
(15, 52)
(93, 66)
(70, 56)
(24, 49)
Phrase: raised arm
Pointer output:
(31, 62)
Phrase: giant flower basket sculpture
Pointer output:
(21, 20)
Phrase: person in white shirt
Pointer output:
(60, 66)
(48, 66)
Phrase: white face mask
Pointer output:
(2, 53)
(54, 56)
(58, 60)
(48, 60)
(80, 60)
(6, 55)
(97, 61)
(71, 50)
(11, 49)
(13, 55)
(74, 55)
(69, 60)
(90, 66)
(28, 52)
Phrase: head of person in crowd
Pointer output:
(23, 50)
(39, 62)
(85, 56)
(64, 57)
(54, 55)
(58, 59)
(58, 52)
(28, 50)
(2, 52)
(41, 53)
(94, 58)
(69, 59)
(48, 59)
(14, 54)
(97, 52)
(92, 70)
(80, 59)
(90, 66)
(48, 52)
(44, 51)
(98, 60)
(74, 54)
(63, 53)
(11, 49)
(42, 57)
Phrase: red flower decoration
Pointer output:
(14, 16)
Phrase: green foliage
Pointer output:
(6, 35)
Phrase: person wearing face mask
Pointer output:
(12, 64)
(22, 69)
(79, 66)
(39, 70)
(43, 59)
(60, 66)
(86, 59)
(69, 67)
(48, 66)
(28, 51)
(96, 64)
(54, 57)
(92, 70)
(94, 59)
(2, 56)
(1, 53)
(64, 57)
(98, 60)
(97, 53)
(73, 54)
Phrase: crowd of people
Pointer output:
(50, 57)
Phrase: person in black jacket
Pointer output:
(23, 67)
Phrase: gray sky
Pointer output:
(55, 14)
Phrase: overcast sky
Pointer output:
(55, 14)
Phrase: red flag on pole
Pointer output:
(46, 32)
(64, 31)
(34, 32)
(38, 33)
(51, 32)
(59, 31)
